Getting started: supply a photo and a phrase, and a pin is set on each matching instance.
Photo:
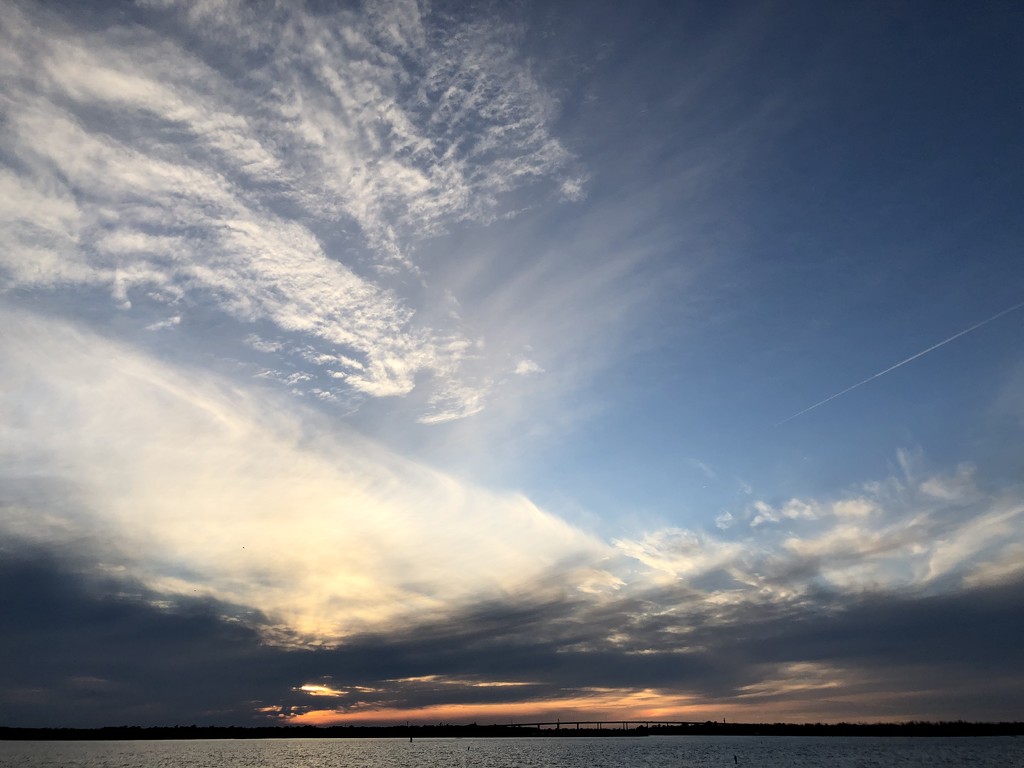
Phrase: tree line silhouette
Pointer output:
(446, 730)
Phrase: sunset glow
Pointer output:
(407, 361)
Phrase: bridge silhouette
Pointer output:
(600, 724)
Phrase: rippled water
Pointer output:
(620, 752)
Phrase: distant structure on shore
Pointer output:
(582, 728)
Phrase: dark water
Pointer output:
(651, 752)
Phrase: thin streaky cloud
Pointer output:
(237, 200)
(891, 368)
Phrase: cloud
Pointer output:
(194, 506)
(680, 553)
(161, 325)
(201, 197)
(705, 469)
(233, 539)
(925, 532)
(877, 656)
(765, 514)
(195, 486)
(146, 165)
(527, 367)
(282, 178)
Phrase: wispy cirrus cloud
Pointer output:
(278, 172)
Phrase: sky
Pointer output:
(479, 361)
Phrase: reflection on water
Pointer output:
(620, 752)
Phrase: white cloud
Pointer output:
(764, 513)
(1006, 566)
(705, 469)
(995, 532)
(855, 508)
(526, 367)
(959, 486)
(796, 509)
(573, 189)
(886, 536)
(407, 121)
(196, 486)
(193, 485)
(262, 345)
(170, 322)
(680, 553)
(145, 168)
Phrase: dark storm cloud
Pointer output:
(80, 651)
(86, 651)
(956, 647)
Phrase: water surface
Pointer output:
(618, 752)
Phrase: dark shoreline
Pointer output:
(132, 733)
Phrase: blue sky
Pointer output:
(334, 336)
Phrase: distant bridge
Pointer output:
(599, 724)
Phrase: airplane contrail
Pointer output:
(933, 347)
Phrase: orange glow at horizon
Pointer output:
(606, 705)
(613, 705)
(800, 692)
